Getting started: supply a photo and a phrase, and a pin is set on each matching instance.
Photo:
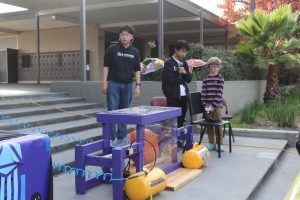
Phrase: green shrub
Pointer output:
(234, 67)
(252, 112)
(283, 112)
(288, 74)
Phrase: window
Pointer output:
(26, 61)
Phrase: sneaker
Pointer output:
(210, 146)
(221, 147)
(119, 142)
(114, 143)
(123, 141)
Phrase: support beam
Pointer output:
(9, 31)
(179, 32)
(37, 18)
(252, 5)
(207, 15)
(5, 17)
(226, 38)
(72, 20)
(83, 39)
(148, 22)
(201, 27)
(118, 4)
(161, 29)
(183, 5)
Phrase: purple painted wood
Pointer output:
(189, 138)
(140, 115)
(98, 161)
(140, 142)
(91, 147)
(172, 167)
(106, 137)
(117, 173)
(80, 164)
(93, 182)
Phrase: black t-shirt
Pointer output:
(122, 63)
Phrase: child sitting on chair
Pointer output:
(212, 91)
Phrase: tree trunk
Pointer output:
(272, 89)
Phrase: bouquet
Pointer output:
(196, 63)
(151, 65)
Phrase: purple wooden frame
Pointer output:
(139, 116)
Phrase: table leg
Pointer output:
(80, 184)
(140, 141)
(219, 140)
(117, 173)
(202, 134)
(230, 135)
(106, 138)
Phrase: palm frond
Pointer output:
(245, 27)
(245, 49)
(291, 44)
(261, 20)
(291, 58)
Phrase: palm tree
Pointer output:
(269, 38)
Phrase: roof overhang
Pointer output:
(181, 17)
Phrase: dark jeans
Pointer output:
(182, 103)
(119, 96)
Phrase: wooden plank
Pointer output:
(180, 177)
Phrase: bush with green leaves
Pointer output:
(289, 74)
(234, 67)
(283, 112)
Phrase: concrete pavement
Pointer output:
(234, 176)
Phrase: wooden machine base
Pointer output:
(180, 177)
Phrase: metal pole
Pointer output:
(201, 26)
(37, 18)
(226, 37)
(83, 39)
(252, 5)
(161, 29)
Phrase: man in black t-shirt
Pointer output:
(121, 66)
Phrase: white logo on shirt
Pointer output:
(125, 55)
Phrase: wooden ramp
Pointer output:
(180, 177)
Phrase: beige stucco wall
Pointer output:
(8, 41)
(66, 39)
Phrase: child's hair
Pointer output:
(182, 44)
(127, 28)
(214, 61)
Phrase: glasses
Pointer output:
(125, 34)
(215, 66)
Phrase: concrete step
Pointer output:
(289, 135)
(70, 140)
(62, 128)
(33, 95)
(67, 158)
(21, 103)
(279, 180)
(20, 112)
(39, 120)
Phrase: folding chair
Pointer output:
(226, 117)
(195, 108)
